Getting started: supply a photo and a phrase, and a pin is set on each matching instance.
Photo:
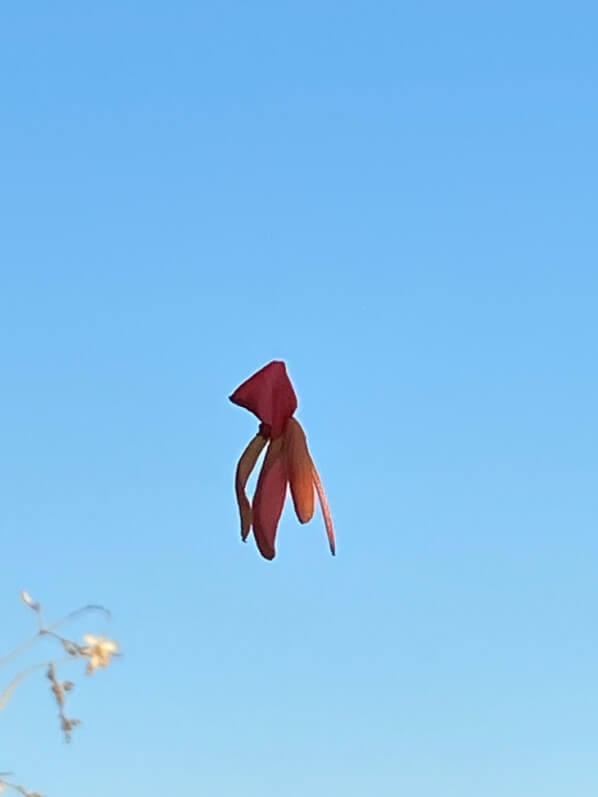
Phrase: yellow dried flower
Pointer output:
(98, 650)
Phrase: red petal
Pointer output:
(269, 498)
(268, 394)
(300, 469)
(244, 468)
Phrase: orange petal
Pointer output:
(244, 468)
(269, 498)
(300, 470)
(325, 510)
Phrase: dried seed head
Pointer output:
(28, 601)
(98, 651)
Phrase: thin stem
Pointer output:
(19, 649)
(5, 695)
(16, 681)
(91, 607)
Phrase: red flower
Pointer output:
(270, 395)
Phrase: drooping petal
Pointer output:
(244, 468)
(269, 498)
(268, 394)
(325, 510)
(300, 470)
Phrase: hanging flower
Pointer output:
(269, 395)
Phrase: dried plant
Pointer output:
(97, 651)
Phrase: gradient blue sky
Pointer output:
(398, 199)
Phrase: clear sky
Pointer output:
(399, 200)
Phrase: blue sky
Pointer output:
(399, 200)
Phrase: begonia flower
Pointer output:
(269, 395)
